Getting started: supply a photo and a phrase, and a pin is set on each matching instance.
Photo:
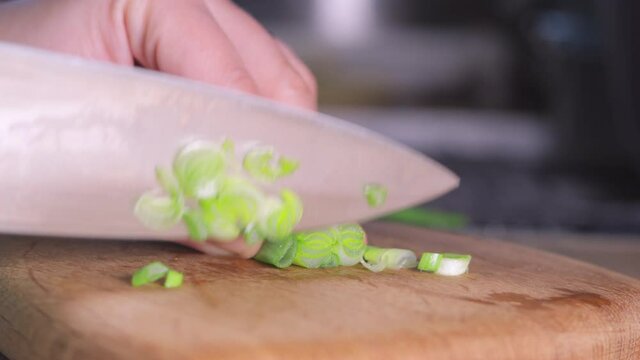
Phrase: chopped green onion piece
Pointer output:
(350, 245)
(373, 267)
(229, 148)
(199, 168)
(167, 181)
(260, 164)
(279, 254)
(159, 212)
(453, 264)
(194, 222)
(287, 166)
(430, 262)
(391, 258)
(428, 218)
(149, 273)
(314, 249)
(375, 194)
(240, 198)
(173, 280)
(331, 261)
(222, 224)
(281, 216)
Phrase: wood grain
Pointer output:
(70, 299)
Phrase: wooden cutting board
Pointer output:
(70, 299)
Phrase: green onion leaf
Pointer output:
(260, 164)
(199, 168)
(430, 262)
(350, 245)
(428, 218)
(159, 212)
(375, 194)
(173, 280)
(314, 249)
(149, 273)
(279, 254)
(194, 222)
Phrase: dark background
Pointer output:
(532, 102)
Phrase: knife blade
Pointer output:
(79, 141)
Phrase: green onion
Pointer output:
(199, 168)
(261, 165)
(428, 218)
(350, 245)
(149, 273)
(194, 222)
(446, 264)
(168, 182)
(159, 212)
(331, 261)
(221, 222)
(393, 259)
(430, 262)
(241, 198)
(229, 148)
(281, 216)
(375, 194)
(373, 267)
(314, 249)
(173, 280)
(279, 254)
(454, 264)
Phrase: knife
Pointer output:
(79, 141)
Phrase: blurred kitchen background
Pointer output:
(531, 102)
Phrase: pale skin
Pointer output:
(213, 41)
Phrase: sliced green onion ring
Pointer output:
(350, 244)
(454, 264)
(393, 259)
(173, 280)
(159, 212)
(280, 216)
(446, 264)
(167, 181)
(279, 254)
(222, 224)
(199, 168)
(375, 194)
(241, 198)
(314, 249)
(195, 224)
(373, 267)
(430, 262)
(149, 273)
(260, 163)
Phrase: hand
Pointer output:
(206, 40)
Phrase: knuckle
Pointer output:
(238, 78)
(292, 86)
